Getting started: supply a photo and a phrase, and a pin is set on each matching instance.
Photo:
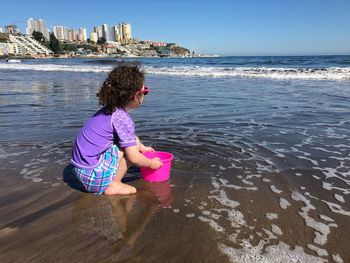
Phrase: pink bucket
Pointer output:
(161, 174)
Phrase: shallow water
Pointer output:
(261, 170)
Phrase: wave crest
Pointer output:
(331, 73)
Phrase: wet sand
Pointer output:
(193, 217)
(61, 224)
(261, 171)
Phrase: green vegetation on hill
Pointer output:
(70, 47)
(54, 44)
(59, 47)
(38, 36)
(171, 49)
(179, 51)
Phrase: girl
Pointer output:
(98, 155)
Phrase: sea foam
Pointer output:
(331, 73)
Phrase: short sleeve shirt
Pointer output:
(124, 128)
(99, 133)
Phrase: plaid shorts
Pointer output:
(96, 180)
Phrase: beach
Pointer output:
(261, 170)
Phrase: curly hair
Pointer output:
(120, 86)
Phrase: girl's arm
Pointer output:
(137, 158)
(144, 148)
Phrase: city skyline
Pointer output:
(117, 33)
(226, 28)
(105, 40)
(121, 32)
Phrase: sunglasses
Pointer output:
(143, 90)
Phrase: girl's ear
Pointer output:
(139, 98)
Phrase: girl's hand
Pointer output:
(145, 149)
(156, 163)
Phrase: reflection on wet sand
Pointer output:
(120, 219)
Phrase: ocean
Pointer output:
(261, 170)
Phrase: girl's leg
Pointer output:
(117, 187)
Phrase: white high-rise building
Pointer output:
(98, 31)
(76, 35)
(1, 31)
(37, 25)
(105, 32)
(71, 36)
(65, 33)
(125, 33)
(93, 37)
(82, 34)
(114, 33)
(60, 32)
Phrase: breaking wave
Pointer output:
(55, 67)
(331, 73)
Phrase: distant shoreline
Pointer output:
(197, 56)
(105, 57)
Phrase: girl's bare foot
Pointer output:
(120, 189)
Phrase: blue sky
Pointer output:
(236, 27)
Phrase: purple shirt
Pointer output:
(99, 133)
